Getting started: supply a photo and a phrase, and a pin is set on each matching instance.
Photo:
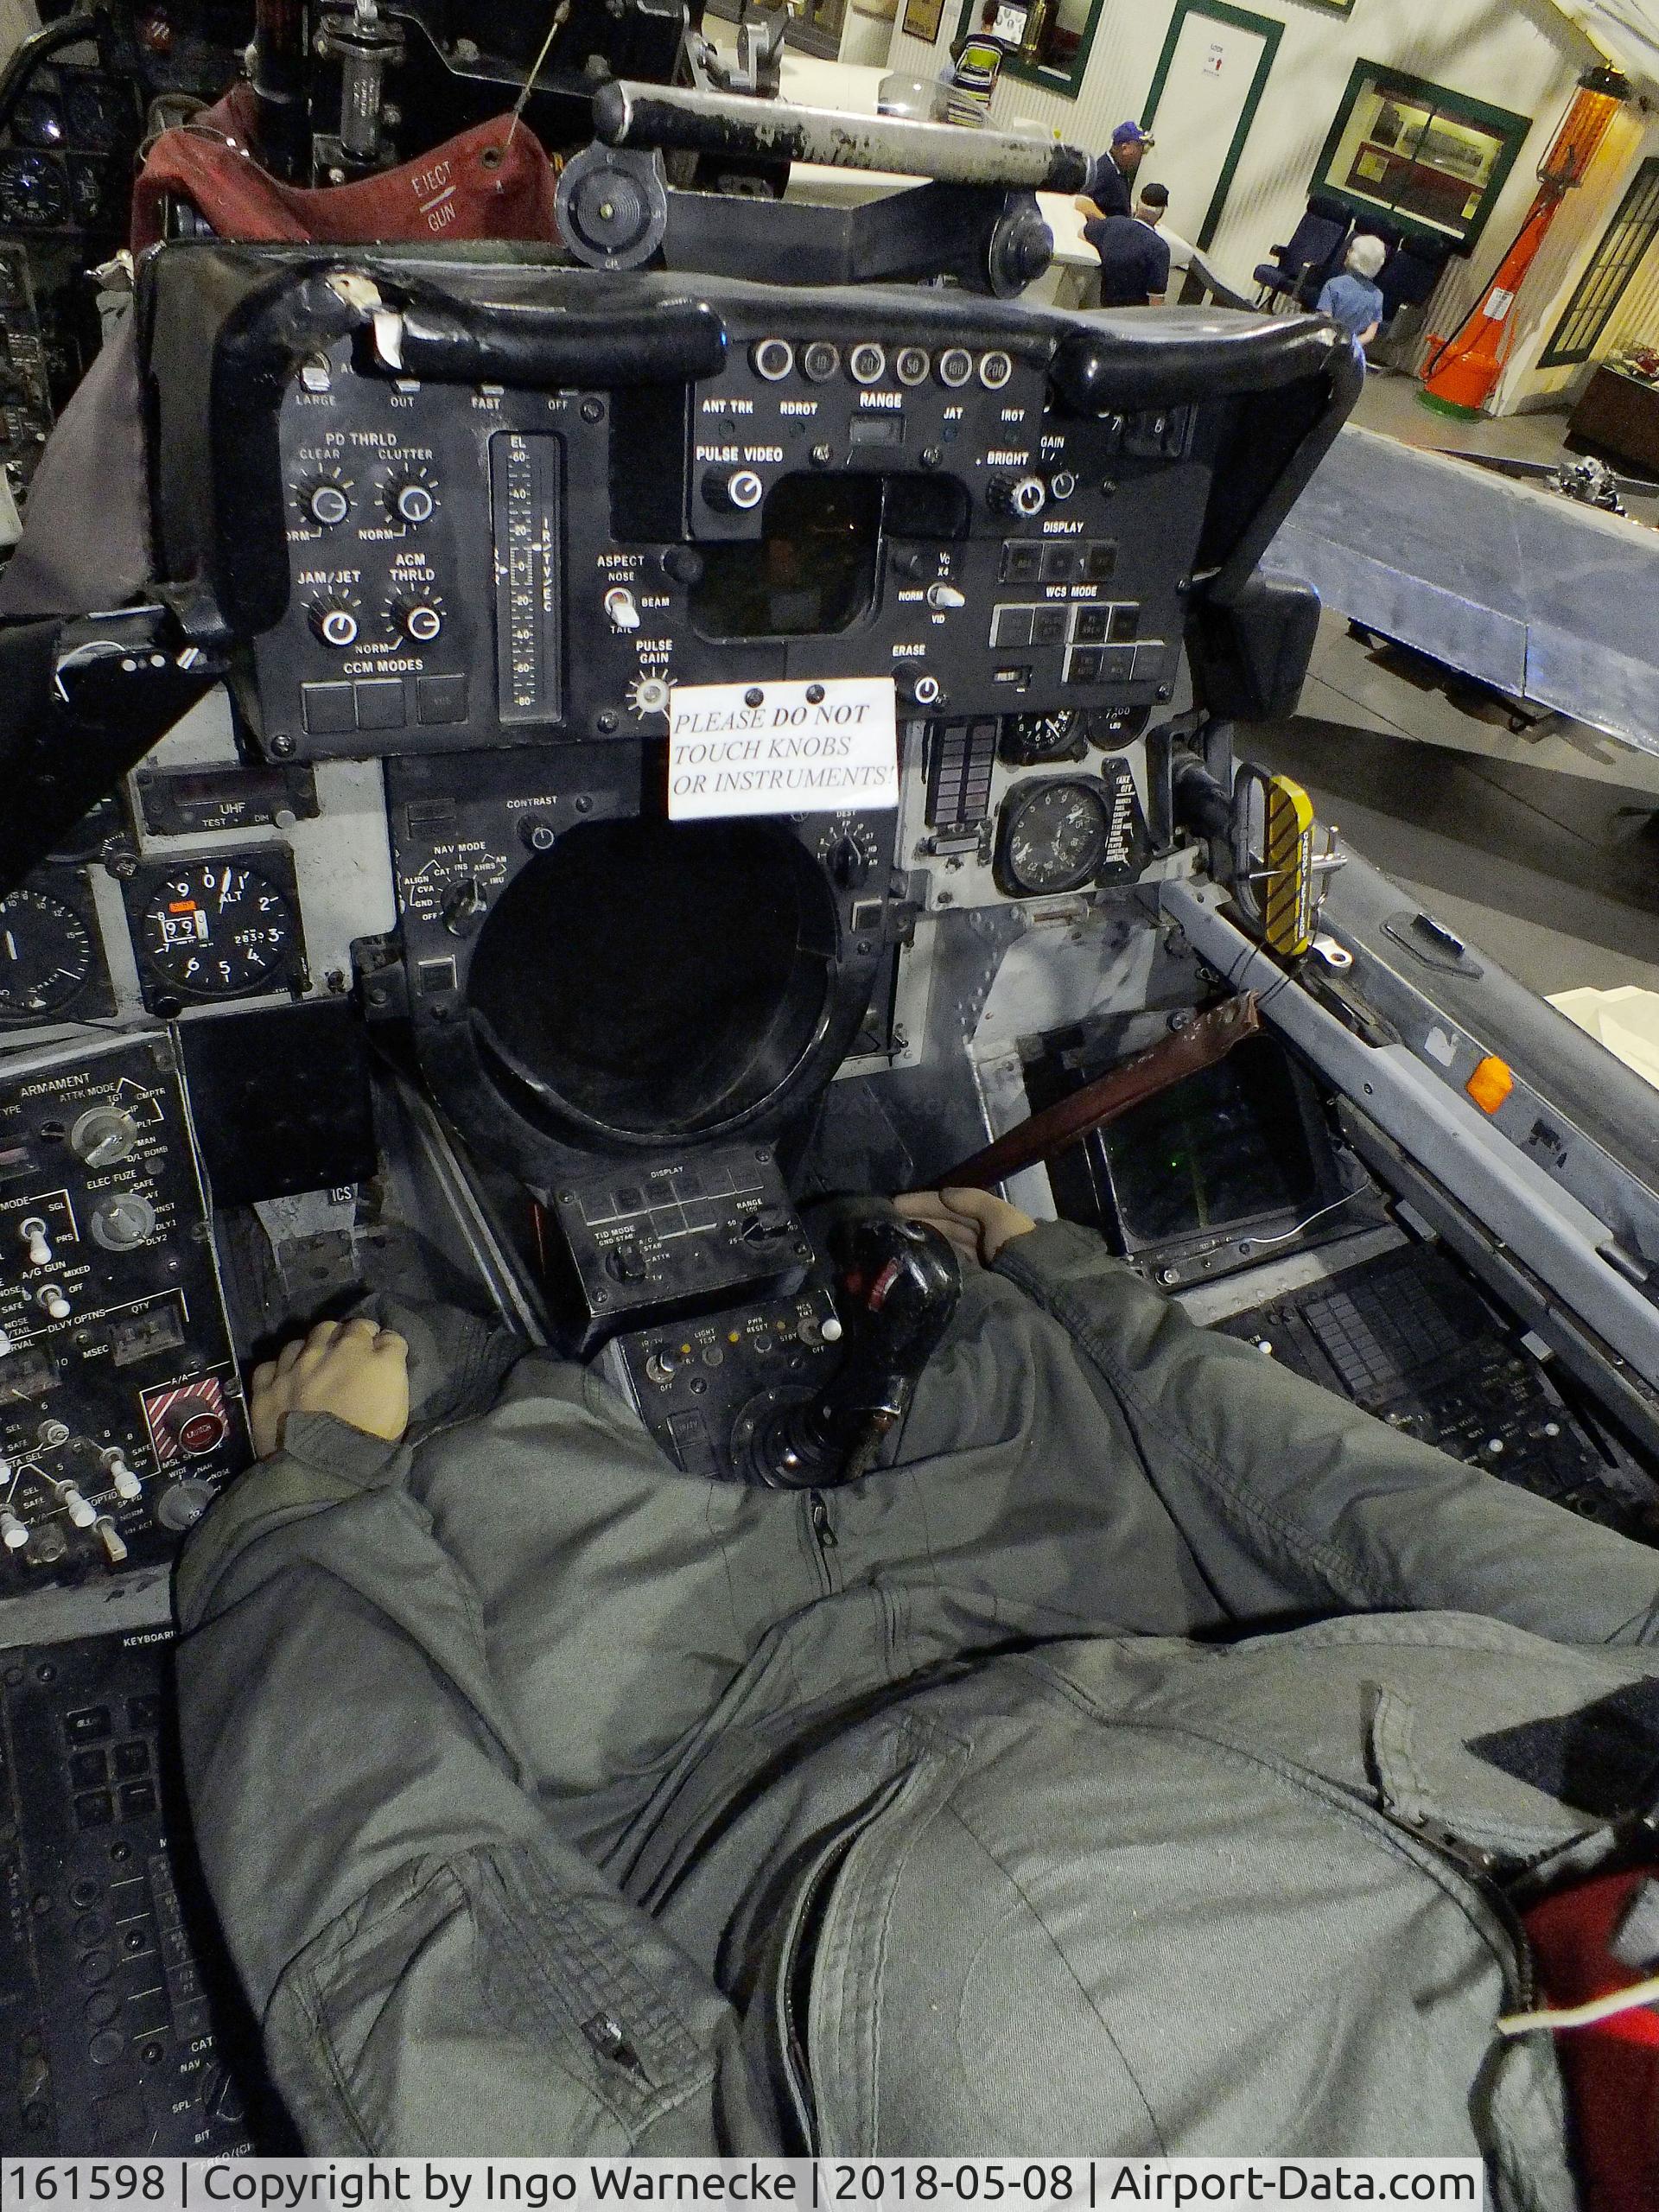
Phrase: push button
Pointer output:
(441, 698)
(1049, 627)
(380, 704)
(329, 709)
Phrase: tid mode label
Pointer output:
(791, 747)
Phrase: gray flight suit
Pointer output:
(1110, 1773)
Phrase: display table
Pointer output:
(1617, 419)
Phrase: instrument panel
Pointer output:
(822, 505)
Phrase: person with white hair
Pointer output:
(1352, 297)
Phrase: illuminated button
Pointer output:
(954, 367)
(195, 1430)
(772, 358)
(995, 370)
(868, 363)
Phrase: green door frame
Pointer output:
(1218, 12)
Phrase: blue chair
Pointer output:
(1315, 249)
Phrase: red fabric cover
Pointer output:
(475, 186)
(1611, 2068)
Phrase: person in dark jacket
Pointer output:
(1134, 259)
(1130, 1762)
(1108, 191)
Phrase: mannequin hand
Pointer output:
(978, 1224)
(351, 1369)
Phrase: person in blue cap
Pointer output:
(1107, 191)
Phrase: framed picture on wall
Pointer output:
(922, 19)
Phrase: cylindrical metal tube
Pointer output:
(626, 114)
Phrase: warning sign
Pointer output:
(795, 748)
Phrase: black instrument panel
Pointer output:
(68, 165)
(834, 505)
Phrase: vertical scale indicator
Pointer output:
(524, 509)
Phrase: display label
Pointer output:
(795, 748)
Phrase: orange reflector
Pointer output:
(1490, 1084)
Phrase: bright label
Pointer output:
(796, 748)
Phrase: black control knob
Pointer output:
(733, 490)
(420, 619)
(849, 864)
(335, 621)
(684, 564)
(409, 500)
(465, 905)
(328, 504)
(1024, 496)
(917, 686)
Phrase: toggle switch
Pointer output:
(80, 1512)
(942, 598)
(619, 608)
(109, 1536)
(127, 1484)
(33, 1233)
(13, 1533)
(53, 1298)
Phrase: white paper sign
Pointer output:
(796, 747)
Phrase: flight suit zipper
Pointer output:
(823, 1536)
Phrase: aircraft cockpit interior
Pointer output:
(541, 764)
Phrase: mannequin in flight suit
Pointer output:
(1127, 1763)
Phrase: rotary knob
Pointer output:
(410, 500)
(849, 864)
(102, 1135)
(465, 905)
(123, 1220)
(333, 621)
(733, 490)
(327, 503)
(1025, 496)
(420, 619)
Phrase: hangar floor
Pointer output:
(1543, 846)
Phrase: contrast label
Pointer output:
(794, 748)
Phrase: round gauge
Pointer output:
(37, 120)
(91, 116)
(218, 927)
(46, 955)
(1053, 837)
(1058, 736)
(33, 194)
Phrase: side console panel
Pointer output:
(120, 1413)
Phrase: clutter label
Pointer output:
(795, 748)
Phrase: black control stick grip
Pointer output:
(897, 1286)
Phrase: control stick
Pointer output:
(897, 1284)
